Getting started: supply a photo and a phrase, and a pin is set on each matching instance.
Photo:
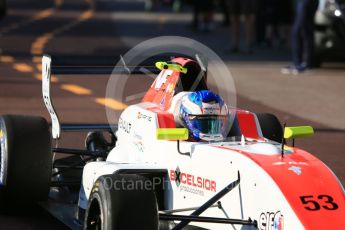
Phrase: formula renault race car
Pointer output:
(150, 175)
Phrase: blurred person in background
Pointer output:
(277, 21)
(178, 5)
(273, 23)
(302, 39)
(271, 15)
(151, 5)
(203, 15)
(3, 8)
(260, 23)
(224, 6)
(285, 17)
(196, 12)
(248, 9)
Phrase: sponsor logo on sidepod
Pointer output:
(278, 222)
(183, 178)
(144, 116)
(271, 221)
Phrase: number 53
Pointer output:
(312, 203)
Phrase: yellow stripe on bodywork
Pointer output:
(172, 134)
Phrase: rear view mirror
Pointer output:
(172, 134)
(298, 131)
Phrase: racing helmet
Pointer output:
(205, 115)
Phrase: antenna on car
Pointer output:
(283, 141)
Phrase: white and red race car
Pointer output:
(150, 176)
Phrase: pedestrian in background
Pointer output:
(248, 9)
(302, 39)
(203, 15)
(285, 18)
(271, 22)
(196, 13)
(278, 22)
(260, 23)
(224, 6)
(151, 5)
(3, 8)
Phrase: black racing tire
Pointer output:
(26, 161)
(112, 205)
(270, 126)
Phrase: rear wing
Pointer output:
(48, 69)
(46, 92)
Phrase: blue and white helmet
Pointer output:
(205, 115)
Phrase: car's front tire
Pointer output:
(25, 161)
(115, 204)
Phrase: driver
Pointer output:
(204, 114)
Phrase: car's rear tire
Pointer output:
(26, 161)
(114, 204)
(270, 126)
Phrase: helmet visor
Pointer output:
(208, 124)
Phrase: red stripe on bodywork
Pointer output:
(165, 119)
(316, 180)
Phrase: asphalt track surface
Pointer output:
(67, 29)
